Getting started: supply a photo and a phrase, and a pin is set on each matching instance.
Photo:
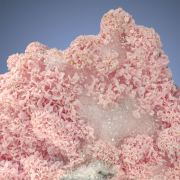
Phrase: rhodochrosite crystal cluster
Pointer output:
(104, 108)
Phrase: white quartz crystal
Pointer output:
(114, 124)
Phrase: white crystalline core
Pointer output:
(52, 62)
(115, 124)
(54, 58)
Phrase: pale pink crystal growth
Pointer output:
(106, 101)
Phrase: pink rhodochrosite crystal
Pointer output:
(104, 108)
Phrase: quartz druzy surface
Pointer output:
(104, 108)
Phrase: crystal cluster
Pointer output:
(106, 105)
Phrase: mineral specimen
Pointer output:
(104, 108)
